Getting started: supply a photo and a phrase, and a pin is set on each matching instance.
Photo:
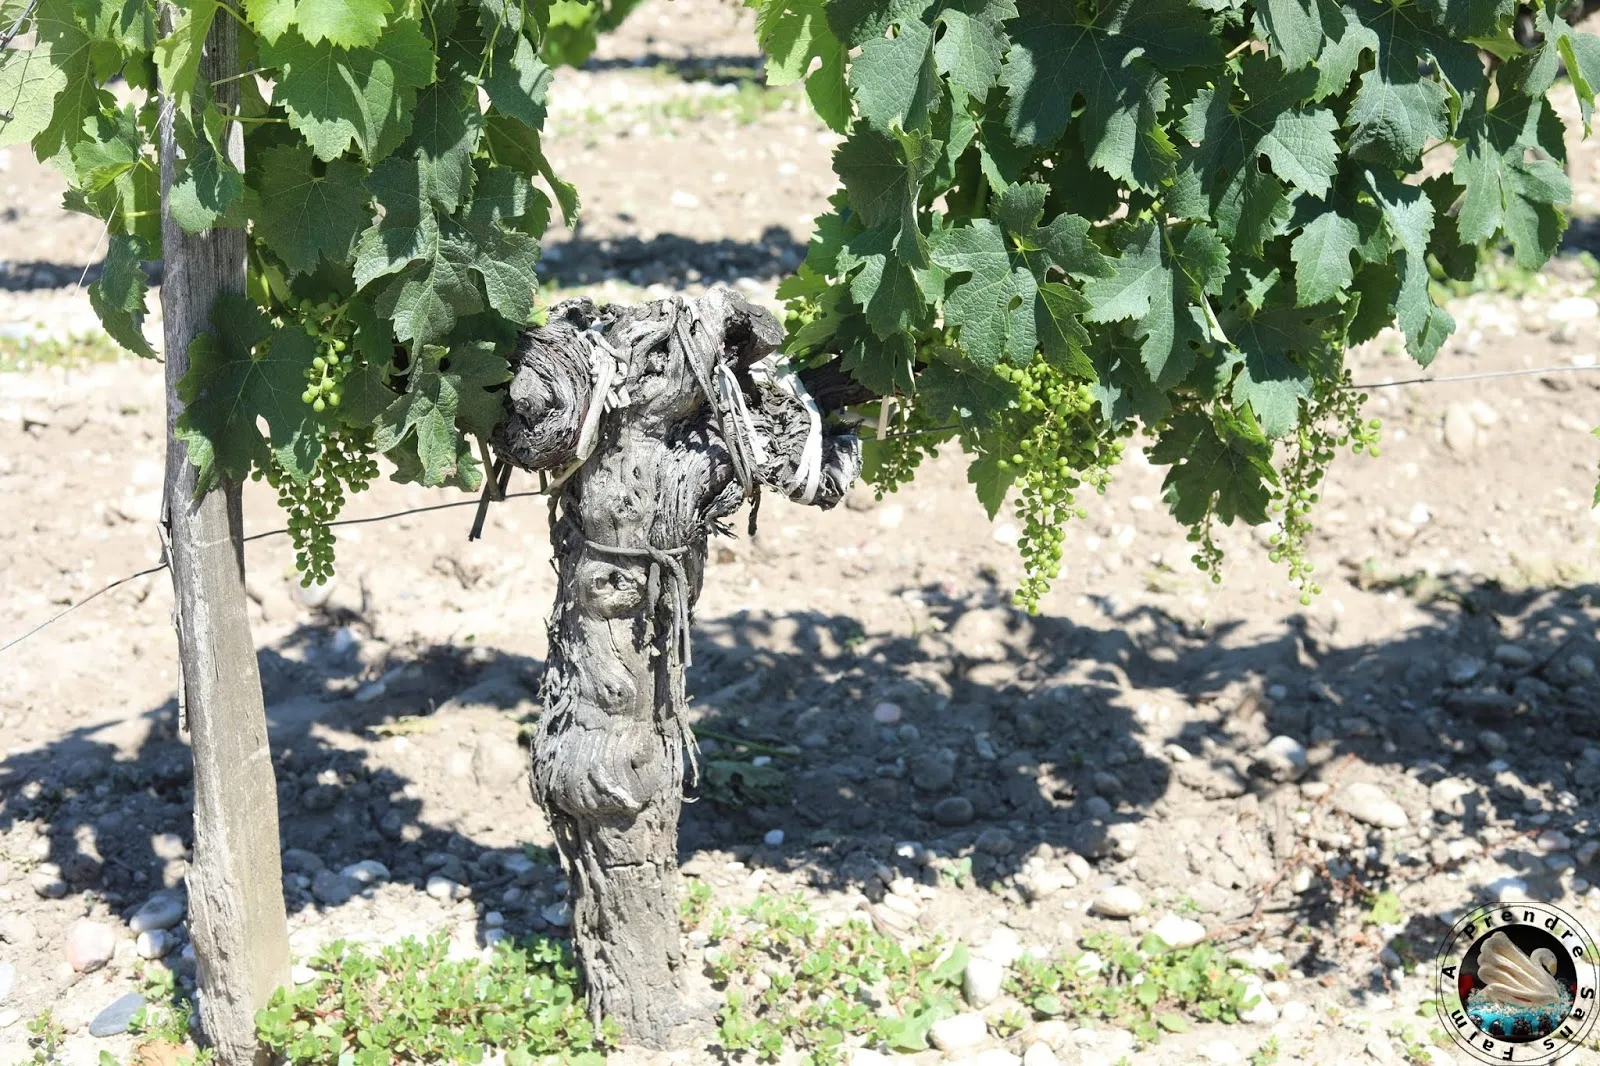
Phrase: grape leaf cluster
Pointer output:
(1187, 209)
(393, 193)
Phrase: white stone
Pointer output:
(1370, 804)
(1118, 901)
(982, 981)
(1460, 429)
(90, 946)
(153, 944)
(994, 1056)
(773, 838)
(864, 1056)
(558, 914)
(301, 974)
(1262, 1012)
(8, 978)
(1219, 1053)
(1006, 533)
(494, 919)
(1003, 946)
(1419, 514)
(366, 872)
(1039, 1054)
(960, 1033)
(1553, 840)
(1294, 1012)
(887, 713)
(161, 911)
(1573, 309)
(1179, 932)
(441, 887)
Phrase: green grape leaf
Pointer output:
(505, 259)
(1408, 216)
(474, 369)
(855, 22)
(427, 298)
(989, 481)
(994, 306)
(425, 418)
(445, 130)
(1223, 464)
(1115, 66)
(1148, 285)
(269, 18)
(118, 294)
(208, 185)
(517, 145)
(345, 23)
(242, 370)
(1563, 46)
(518, 82)
(335, 96)
(1321, 254)
(969, 54)
(894, 80)
(1398, 109)
(1238, 124)
(306, 218)
(1269, 379)
(884, 365)
(1062, 338)
(178, 52)
(63, 44)
(1509, 188)
(794, 33)
(408, 228)
(129, 25)
(1296, 28)
(950, 389)
(30, 81)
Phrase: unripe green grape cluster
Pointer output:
(1333, 421)
(1061, 444)
(324, 322)
(896, 456)
(346, 463)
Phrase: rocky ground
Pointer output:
(1318, 789)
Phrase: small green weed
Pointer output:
(165, 1016)
(410, 1004)
(45, 1038)
(1146, 988)
(696, 902)
(18, 354)
(1384, 908)
(956, 871)
(1266, 1054)
(792, 982)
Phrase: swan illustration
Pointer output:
(1511, 977)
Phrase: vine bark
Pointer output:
(663, 419)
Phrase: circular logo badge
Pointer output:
(1517, 982)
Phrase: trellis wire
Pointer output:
(1485, 376)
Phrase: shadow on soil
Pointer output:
(1041, 727)
(669, 258)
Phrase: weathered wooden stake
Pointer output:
(236, 911)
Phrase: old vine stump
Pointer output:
(635, 408)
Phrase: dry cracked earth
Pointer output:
(1150, 752)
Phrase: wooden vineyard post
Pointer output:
(236, 910)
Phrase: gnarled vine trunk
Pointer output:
(663, 418)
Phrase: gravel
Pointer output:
(1118, 901)
(1371, 804)
(115, 1019)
